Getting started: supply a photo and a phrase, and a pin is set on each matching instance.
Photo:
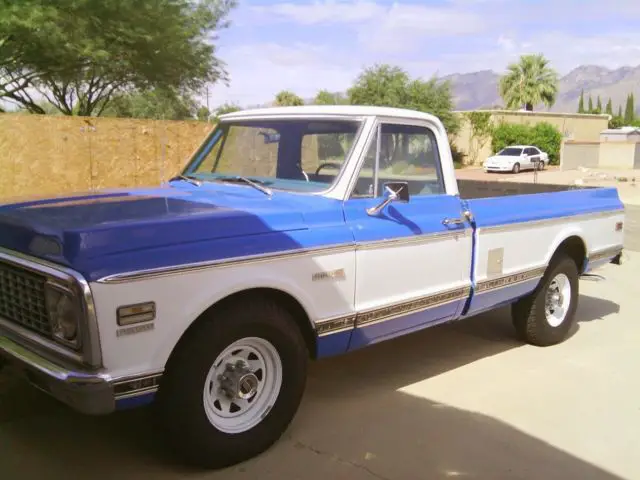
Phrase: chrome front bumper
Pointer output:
(89, 393)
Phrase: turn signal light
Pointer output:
(619, 226)
(130, 314)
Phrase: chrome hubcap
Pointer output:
(557, 300)
(238, 381)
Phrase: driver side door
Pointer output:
(413, 258)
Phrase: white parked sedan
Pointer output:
(516, 158)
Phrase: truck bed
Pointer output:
(470, 189)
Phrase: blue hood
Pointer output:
(76, 230)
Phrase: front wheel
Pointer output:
(234, 384)
(547, 315)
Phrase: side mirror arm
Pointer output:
(392, 196)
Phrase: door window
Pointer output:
(406, 153)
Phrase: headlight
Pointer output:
(64, 313)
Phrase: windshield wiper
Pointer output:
(254, 183)
(191, 180)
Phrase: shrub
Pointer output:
(458, 156)
(506, 134)
(548, 139)
(543, 135)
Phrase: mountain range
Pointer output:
(479, 90)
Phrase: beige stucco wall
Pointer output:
(619, 155)
(574, 126)
(579, 154)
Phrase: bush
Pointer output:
(543, 135)
(457, 155)
(548, 139)
(507, 134)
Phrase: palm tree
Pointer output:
(529, 82)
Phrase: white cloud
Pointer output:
(402, 27)
(325, 11)
(260, 71)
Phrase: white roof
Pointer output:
(348, 110)
(520, 146)
(623, 130)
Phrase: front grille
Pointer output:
(22, 299)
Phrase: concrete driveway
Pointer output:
(463, 400)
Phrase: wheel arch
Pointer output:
(282, 298)
(575, 247)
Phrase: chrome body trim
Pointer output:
(223, 263)
(339, 248)
(601, 254)
(548, 221)
(414, 239)
(91, 353)
(92, 393)
(335, 325)
(57, 349)
(36, 362)
(258, 258)
(509, 280)
(151, 381)
(396, 310)
(389, 312)
(417, 305)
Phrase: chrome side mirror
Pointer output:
(393, 192)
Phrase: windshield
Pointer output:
(511, 152)
(303, 155)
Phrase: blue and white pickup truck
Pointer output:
(292, 234)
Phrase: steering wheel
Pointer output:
(327, 164)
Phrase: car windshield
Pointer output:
(510, 152)
(303, 155)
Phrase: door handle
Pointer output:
(452, 221)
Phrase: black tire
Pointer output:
(180, 403)
(529, 315)
(541, 165)
(516, 168)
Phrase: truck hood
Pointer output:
(75, 229)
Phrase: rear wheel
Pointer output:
(234, 384)
(516, 168)
(541, 165)
(547, 315)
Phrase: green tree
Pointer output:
(82, 54)
(325, 97)
(391, 86)
(286, 98)
(581, 102)
(227, 108)
(528, 83)
(203, 114)
(159, 104)
(599, 105)
(590, 105)
(629, 112)
(609, 108)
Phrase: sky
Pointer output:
(308, 45)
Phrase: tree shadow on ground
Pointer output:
(353, 423)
